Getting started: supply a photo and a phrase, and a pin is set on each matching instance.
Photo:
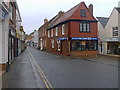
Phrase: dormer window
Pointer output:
(83, 13)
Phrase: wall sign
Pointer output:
(64, 38)
(83, 38)
(2, 14)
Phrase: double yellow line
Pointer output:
(38, 68)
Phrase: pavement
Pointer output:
(41, 69)
(22, 74)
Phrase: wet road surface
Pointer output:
(61, 72)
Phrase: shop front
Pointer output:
(113, 46)
(84, 46)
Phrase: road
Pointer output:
(76, 73)
(54, 71)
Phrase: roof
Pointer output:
(118, 9)
(103, 20)
(66, 15)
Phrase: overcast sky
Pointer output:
(33, 12)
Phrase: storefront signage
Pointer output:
(2, 14)
(64, 38)
(112, 40)
(83, 38)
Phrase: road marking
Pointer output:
(44, 78)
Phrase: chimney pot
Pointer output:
(60, 13)
(45, 20)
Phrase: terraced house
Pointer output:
(10, 23)
(71, 33)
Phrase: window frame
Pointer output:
(84, 45)
(63, 29)
(56, 31)
(114, 30)
(53, 42)
(83, 13)
(51, 32)
(85, 28)
(48, 33)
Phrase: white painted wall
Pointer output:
(112, 22)
(4, 28)
(0, 41)
(36, 37)
(106, 33)
(100, 36)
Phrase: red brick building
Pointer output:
(71, 33)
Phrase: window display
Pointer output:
(78, 45)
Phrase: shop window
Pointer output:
(83, 13)
(83, 45)
(84, 27)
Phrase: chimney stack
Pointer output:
(45, 20)
(91, 8)
(60, 13)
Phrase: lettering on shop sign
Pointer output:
(83, 38)
(64, 38)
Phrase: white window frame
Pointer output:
(56, 33)
(52, 33)
(115, 31)
(45, 31)
(52, 43)
(48, 33)
(58, 42)
(63, 29)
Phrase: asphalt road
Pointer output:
(64, 72)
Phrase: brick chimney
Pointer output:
(45, 20)
(91, 8)
(60, 13)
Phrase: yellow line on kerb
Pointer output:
(44, 78)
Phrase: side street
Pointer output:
(73, 49)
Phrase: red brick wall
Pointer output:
(76, 15)
(84, 53)
(75, 30)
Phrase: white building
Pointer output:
(36, 38)
(109, 33)
(18, 32)
(4, 31)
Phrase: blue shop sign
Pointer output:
(64, 38)
(83, 38)
(2, 14)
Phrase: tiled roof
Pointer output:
(66, 15)
(103, 20)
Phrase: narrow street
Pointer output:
(40, 69)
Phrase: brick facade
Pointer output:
(70, 39)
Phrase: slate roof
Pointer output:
(66, 15)
(118, 9)
(103, 20)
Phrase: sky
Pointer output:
(33, 12)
